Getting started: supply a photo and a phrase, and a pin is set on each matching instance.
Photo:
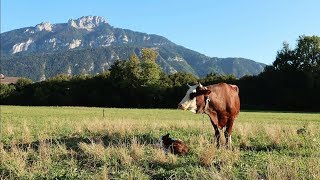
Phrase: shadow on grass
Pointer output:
(261, 148)
(72, 143)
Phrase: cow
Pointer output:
(220, 102)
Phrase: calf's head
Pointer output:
(194, 98)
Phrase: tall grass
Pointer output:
(79, 143)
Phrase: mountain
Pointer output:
(90, 45)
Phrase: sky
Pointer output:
(250, 29)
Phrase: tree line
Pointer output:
(292, 82)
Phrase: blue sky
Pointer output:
(248, 28)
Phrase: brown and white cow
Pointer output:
(220, 102)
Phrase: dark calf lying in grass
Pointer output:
(173, 145)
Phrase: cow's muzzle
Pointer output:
(180, 106)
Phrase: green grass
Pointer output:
(79, 143)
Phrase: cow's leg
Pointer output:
(216, 134)
(228, 131)
(214, 122)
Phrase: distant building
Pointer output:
(8, 80)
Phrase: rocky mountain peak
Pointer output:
(87, 22)
(44, 26)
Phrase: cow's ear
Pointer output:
(167, 135)
(205, 92)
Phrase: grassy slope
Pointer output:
(76, 142)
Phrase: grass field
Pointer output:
(79, 143)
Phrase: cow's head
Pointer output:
(194, 98)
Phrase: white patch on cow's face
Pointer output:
(187, 103)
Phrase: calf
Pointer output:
(174, 146)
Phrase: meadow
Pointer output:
(110, 143)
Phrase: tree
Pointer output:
(286, 59)
(182, 79)
(134, 70)
(148, 54)
(60, 78)
(305, 57)
(213, 78)
(134, 59)
(308, 53)
(150, 70)
(150, 73)
(6, 90)
(103, 75)
(21, 82)
(119, 73)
